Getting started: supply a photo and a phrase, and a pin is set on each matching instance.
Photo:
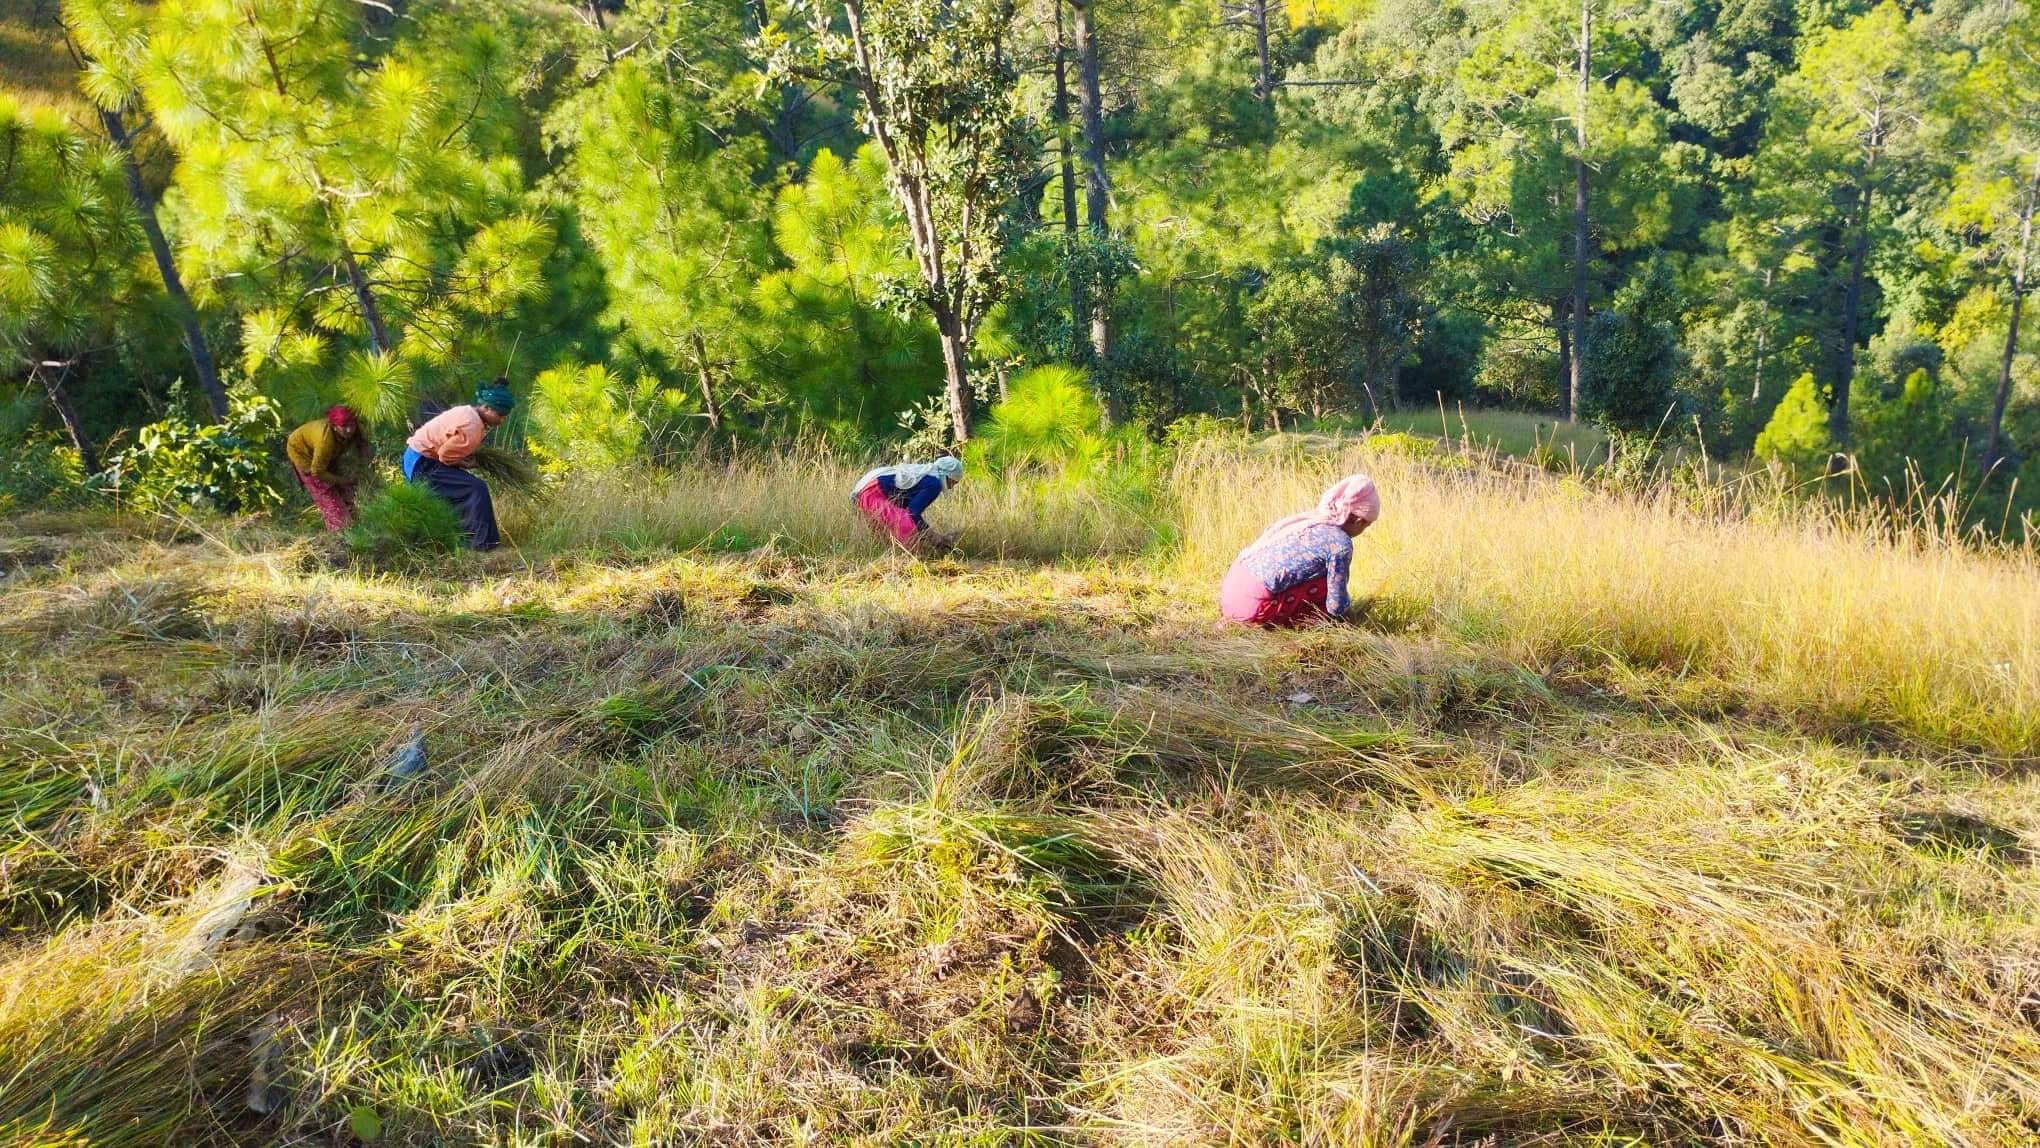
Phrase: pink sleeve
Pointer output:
(462, 438)
(449, 437)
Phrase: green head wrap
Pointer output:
(496, 396)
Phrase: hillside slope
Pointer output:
(33, 62)
(807, 843)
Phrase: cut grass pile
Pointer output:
(808, 843)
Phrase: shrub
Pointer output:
(180, 464)
(1633, 358)
(1906, 440)
(1797, 435)
(1403, 443)
(404, 525)
(926, 428)
(1190, 430)
(1149, 378)
(1447, 355)
(1049, 420)
(582, 420)
(35, 464)
(1512, 377)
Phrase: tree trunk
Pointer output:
(1852, 302)
(955, 355)
(88, 456)
(1578, 380)
(923, 231)
(1763, 336)
(166, 266)
(1991, 452)
(708, 404)
(1097, 190)
(378, 335)
(1079, 312)
(1264, 82)
(1563, 329)
(1061, 112)
(1757, 375)
(602, 32)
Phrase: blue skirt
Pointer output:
(464, 491)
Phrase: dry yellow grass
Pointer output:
(1794, 609)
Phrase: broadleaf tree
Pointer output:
(938, 91)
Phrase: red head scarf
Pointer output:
(341, 415)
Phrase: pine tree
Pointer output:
(1520, 143)
(823, 329)
(316, 178)
(1798, 435)
(938, 91)
(103, 35)
(1849, 120)
(1997, 187)
(67, 251)
(676, 218)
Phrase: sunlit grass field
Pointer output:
(33, 62)
(1518, 434)
(1617, 819)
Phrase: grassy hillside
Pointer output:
(1518, 434)
(1612, 822)
(33, 62)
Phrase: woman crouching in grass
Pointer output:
(1296, 571)
(330, 456)
(894, 497)
(441, 455)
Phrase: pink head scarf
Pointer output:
(1353, 496)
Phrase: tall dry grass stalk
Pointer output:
(1787, 608)
(802, 499)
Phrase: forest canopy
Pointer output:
(1790, 232)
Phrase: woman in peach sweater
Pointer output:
(441, 454)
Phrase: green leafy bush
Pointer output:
(404, 525)
(36, 465)
(1447, 355)
(926, 428)
(1403, 444)
(1633, 359)
(1192, 430)
(1519, 378)
(179, 464)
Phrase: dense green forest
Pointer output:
(1797, 230)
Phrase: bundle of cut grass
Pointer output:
(506, 470)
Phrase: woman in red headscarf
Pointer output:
(331, 457)
(1296, 571)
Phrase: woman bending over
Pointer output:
(894, 497)
(1296, 571)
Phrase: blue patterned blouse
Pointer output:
(1300, 555)
(913, 499)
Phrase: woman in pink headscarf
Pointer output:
(1296, 570)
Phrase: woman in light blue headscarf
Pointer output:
(894, 497)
